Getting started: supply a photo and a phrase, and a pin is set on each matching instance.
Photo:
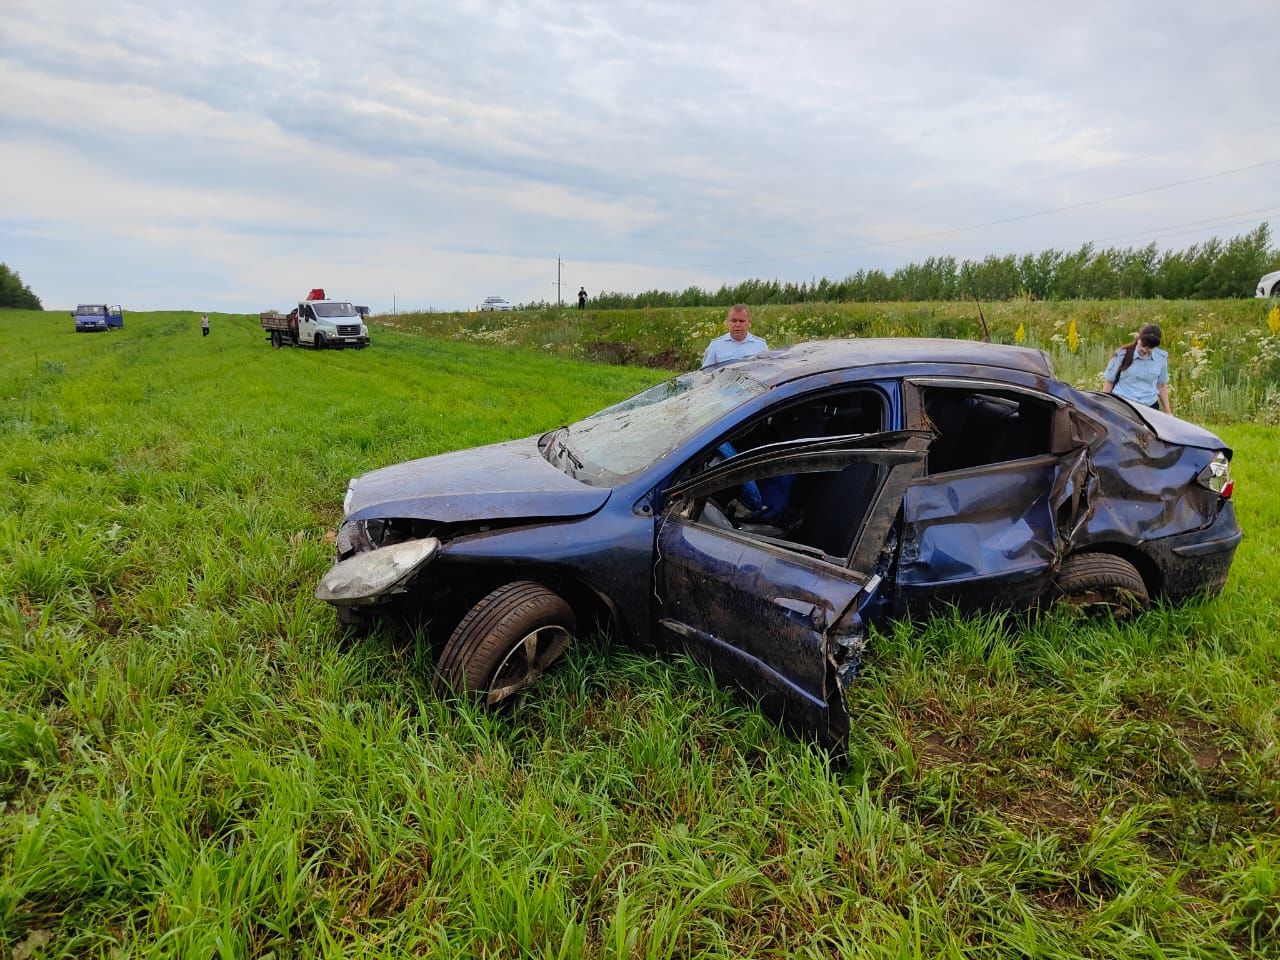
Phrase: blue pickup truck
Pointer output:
(92, 317)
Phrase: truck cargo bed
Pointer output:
(275, 321)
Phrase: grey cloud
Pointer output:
(743, 139)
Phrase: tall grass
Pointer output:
(196, 760)
(1225, 354)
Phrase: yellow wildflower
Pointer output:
(1021, 333)
(1073, 336)
(1273, 320)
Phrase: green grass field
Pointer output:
(197, 761)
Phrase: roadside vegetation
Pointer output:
(197, 760)
(1211, 270)
(1225, 354)
(15, 293)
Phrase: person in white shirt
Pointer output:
(1139, 371)
(739, 343)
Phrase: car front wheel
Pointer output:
(1101, 583)
(505, 643)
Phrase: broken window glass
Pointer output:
(623, 439)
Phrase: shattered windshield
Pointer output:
(335, 310)
(615, 443)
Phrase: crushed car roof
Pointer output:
(825, 356)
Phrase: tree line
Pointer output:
(1211, 270)
(15, 293)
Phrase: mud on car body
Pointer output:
(764, 514)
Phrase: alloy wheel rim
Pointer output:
(526, 661)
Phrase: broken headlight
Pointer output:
(368, 576)
(1217, 476)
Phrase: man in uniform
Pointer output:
(739, 343)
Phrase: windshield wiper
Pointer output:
(569, 454)
(555, 447)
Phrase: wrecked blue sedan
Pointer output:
(763, 515)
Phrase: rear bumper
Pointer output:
(1197, 562)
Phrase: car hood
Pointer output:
(503, 481)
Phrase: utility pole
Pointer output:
(559, 264)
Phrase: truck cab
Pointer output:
(97, 317)
(327, 323)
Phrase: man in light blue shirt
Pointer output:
(739, 343)
(1140, 371)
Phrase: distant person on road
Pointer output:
(582, 298)
(204, 325)
(739, 343)
(1139, 371)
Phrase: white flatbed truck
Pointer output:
(317, 322)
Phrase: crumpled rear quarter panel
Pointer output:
(1146, 487)
(1145, 493)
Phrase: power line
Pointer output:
(1092, 169)
(1226, 220)
(995, 191)
(1003, 220)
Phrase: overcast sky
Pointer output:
(230, 155)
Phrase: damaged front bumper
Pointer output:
(368, 577)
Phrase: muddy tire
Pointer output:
(319, 341)
(504, 643)
(276, 340)
(1100, 583)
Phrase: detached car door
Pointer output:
(1007, 479)
(776, 610)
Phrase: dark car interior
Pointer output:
(825, 511)
(822, 511)
(976, 429)
(836, 415)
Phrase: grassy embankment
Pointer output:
(1226, 356)
(196, 761)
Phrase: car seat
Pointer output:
(834, 513)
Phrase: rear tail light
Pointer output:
(1217, 476)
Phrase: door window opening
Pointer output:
(977, 428)
(822, 511)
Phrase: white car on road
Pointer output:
(495, 303)
(1269, 285)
